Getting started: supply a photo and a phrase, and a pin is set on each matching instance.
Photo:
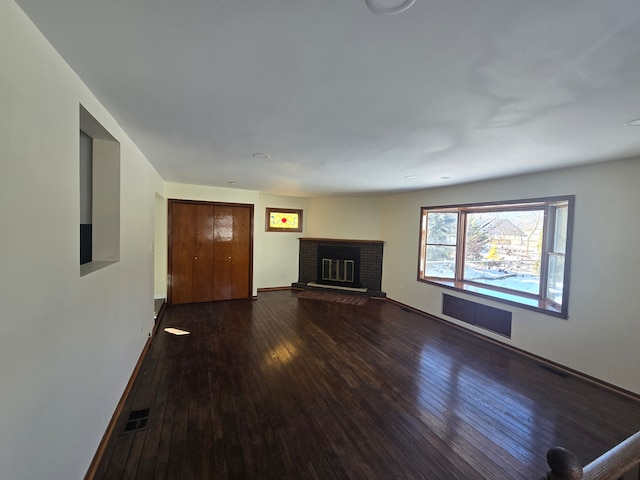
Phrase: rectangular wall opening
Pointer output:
(99, 195)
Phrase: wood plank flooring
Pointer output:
(295, 388)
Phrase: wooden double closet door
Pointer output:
(210, 251)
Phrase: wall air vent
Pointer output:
(483, 316)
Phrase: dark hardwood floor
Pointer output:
(293, 388)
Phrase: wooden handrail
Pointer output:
(609, 466)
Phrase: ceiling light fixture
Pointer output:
(634, 123)
(389, 7)
(411, 177)
(261, 155)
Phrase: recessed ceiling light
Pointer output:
(261, 155)
(411, 177)
(633, 123)
(445, 178)
(232, 183)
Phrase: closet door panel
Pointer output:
(222, 246)
(241, 254)
(210, 251)
(182, 252)
(232, 247)
(202, 290)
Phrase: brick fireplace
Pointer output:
(341, 264)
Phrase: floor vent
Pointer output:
(555, 371)
(137, 420)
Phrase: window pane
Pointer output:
(555, 281)
(441, 261)
(503, 249)
(560, 237)
(442, 228)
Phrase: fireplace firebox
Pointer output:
(342, 271)
(339, 265)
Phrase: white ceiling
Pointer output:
(348, 102)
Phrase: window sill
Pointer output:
(91, 267)
(501, 297)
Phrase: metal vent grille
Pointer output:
(137, 420)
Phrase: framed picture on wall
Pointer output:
(283, 220)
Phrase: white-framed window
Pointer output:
(516, 251)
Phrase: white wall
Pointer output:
(160, 248)
(185, 191)
(600, 338)
(344, 217)
(275, 254)
(68, 343)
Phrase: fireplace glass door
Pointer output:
(338, 270)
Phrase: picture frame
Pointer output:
(283, 220)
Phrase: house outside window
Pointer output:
(516, 252)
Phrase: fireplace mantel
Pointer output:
(338, 240)
(370, 273)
